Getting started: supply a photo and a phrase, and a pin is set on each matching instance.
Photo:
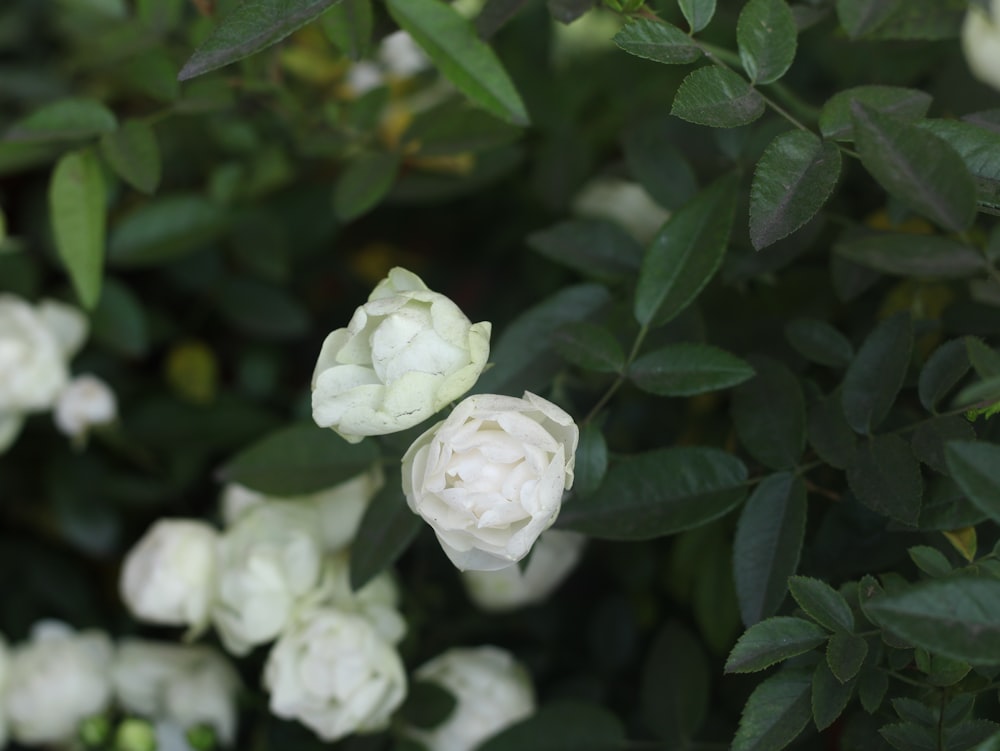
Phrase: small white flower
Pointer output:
(981, 43)
(86, 402)
(624, 202)
(363, 76)
(402, 56)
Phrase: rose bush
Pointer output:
(490, 478)
(406, 354)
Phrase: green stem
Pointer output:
(904, 678)
(617, 384)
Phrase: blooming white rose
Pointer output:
(401, 56)
(168, 576)
(84, 403)
(624, 202)
(490, 478)
(57, 679)
(186, 685)
(268, 561)
(332, 671)
(554, 556)
(406, 354)
(492, 691)
(981, 42)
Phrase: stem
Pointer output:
(617, 384)
(905, 679)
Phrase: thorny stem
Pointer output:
(617, 384)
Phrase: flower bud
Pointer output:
(981, 42)
(84, 403)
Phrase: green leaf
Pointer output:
(590, 347)
(872, 686)
(297, 460)
(454, 127)
(972, 735)
(658, 41)
(957, 617)
(917, 167)
(768, 544)
(874, 378)
(985, 360)
(793, 179)
(822, 603)
(925, 256)
(64, 120)
(885, 476)
(659, 493)
(717, 97)
(685, 254)
(829, 696)
(658, 164)
(771, 641)
(836, 123)
(858, 17)
(829, 434)
(250, 27)
(562, 726)
(769, 412)
(908, 736)
(133, 153)
(464, 59)
(979, 149)
(845, 654)
(688, 369)
(929, 560)
(594, 247)
(922, 20)
(495, 15)
(427, 704)
(698, 13)
(349, 25)
(364, 183)
(77, 206)
(766, 36)
(929, 440)
(386, 531)
(946, 366)
(819, 342)
(591, 460)
(119, 321)
(676, 680)
(776, 712)
(165, 229)
(261, 309)
(973, 465)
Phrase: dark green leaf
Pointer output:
(386, 531)
(589, 346)
(658, 164)
(562, 726)
(594, 247)
(922, 19)
(946, 507)
(119, 321)
(940, 670)
(822, 603)
(858, 17)
(658, 41)
(776, 712)
(929, 256)
(349, 25)
(676, 680)
(872, 685)
(297, 460)
(819, 342)
(829, 434)
(567, 11)
(946, 366)
(956, 617)
(767, 37)
(495, 15)
(717, 97)
(973, 735)
(133, 153)
(698, 13)
(591, 460)
(364, 183)
(835, 120)
(77, 206)
(64, 120)
(985, 360)
(768, 544)
(979, 149)
(973, 465)
(685, 254)
(688, 369)
(165, 229)
(261, 309)
(251, 26)
(427, 704)
(916, 167)
(771, 641)
(464, 59)
(929, 440)
(659, 493)
(829, 696)
(929, 560)
(769, 412)
(908, 736)
(885, 476)
(845, 654)
(793, 179)
(874, 378)
(455, 128)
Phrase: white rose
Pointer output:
(492, 691)
(84, 403)
(187, 685)
(555, 555)
(981, 43)
(378, 600)
(402, 56)
(268, 561)
(490, 478)
(332, 671)
(57, 679)
(624, 202)
(168, 577)
(406, 354)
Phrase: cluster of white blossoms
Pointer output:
(37, 343)
(59, 678)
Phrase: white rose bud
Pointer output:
(332, 671)
(492, 691)
(167, 578)
(490, 478)
(624, 202)
(85, 403)
(981, 42)
(57, 679)
(406, 354)
(553, 558)
(268, 561)
(402, 56)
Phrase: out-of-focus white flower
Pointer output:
(4, 675)
(363, 76)
(981, 42)
(554, 556)
(378, 600)
(333, 671)
(187, 685)
(268, 560)
(169, 575)
(492, 691)
(57, 679)
(406, 354)
(490, 478)
(237, 500)
(86, 401)
(401, 56)
(624, 202)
